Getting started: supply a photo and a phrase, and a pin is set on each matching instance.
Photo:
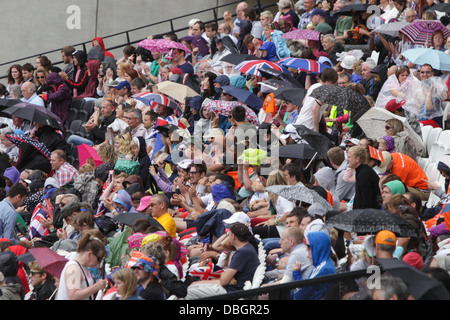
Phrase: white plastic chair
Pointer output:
(425, 132)
(432, 137)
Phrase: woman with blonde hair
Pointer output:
(40, 79)
(402, 141)
(107, 153)
(126, 282)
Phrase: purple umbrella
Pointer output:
(162, 45)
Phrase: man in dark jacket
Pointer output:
(80, 78)
(367, 191)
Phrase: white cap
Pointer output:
(237, 217)
(290, 131)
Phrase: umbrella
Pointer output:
(348, 10)
(373, 123)
(294, 151)
(302, 34)
(341, 97)
(85, 152)
(252, 67)
(129, 218)
(299, 192)
(152, 98)
(420, 285)
(225, 108)
(19, 139)
(34, 113)
(49, 260)
(9, 102)
(270, 73)
(245, 96)
(162, 45)
(420, 31)
(318, 141)
(236, 58)
(391, 29)
(175, 90)
(275, 84)
(307, 65)
(370, 221)
(436, 58)
(291, 95)
(441, 7)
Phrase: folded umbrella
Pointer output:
(85, 152)
(245, 96)
(35, 113)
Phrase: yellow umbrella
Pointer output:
(176, 91)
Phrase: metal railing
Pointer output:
(127, 33)
(283, 291)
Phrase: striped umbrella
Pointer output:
(420, 31)
(307, 65)
(252, 66)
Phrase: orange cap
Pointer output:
(386, 237)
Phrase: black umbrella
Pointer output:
(441, 7)
(236, 58)
(275, 84)
(316, 140)
(341, 97)
(245, 96)
(291, 95)
(348, 10)
(294, 151)
(420, 285)
(129, 218)
(370, 221)
(270, 73)
(5, 103)
(35, 113)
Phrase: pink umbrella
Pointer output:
(85, 152)
(225, 107)
(252, 66)
(162, 45)
(302, 34)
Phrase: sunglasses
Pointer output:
(388, 127)
(32, 273)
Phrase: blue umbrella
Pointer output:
(245, 96)
(436, 58)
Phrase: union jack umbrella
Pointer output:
(307, 65)
(151, 99)
(211, 271)
(419, 32)
(19, 139)
(252, 67)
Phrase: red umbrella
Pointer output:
(85, 152)
(49, 260)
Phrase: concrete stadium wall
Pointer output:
(30, 28)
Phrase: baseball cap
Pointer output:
(239, 216)
(387, 160)
(113, 83)
(213, 132)
(123, 84)
(318, 12)
(352, 140)
(145, 202)
(386, 237)
(393, 105)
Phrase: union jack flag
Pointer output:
(36, 228)
(208, 272)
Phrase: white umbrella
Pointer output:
(391, 29)
(373, 123)
(176, 91)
